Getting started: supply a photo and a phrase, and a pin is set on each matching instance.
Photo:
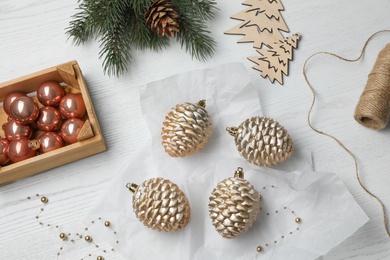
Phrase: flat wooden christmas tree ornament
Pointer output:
(262, 24)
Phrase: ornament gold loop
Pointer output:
(239, 173)
(202, 103)
(132, 187)
(232, 130)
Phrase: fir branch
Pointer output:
(115, 50)
(194, 36)
(142, 36)
(121, 27)
(203, 9)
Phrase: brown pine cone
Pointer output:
(162, 18)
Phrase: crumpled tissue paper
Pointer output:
(328, 211)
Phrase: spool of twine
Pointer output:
(373, 109)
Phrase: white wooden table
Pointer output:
(32, 37)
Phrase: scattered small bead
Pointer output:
(64, 236)
(259, 249)
(298, 220)
(88, 238)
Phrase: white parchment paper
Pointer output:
(328, 211)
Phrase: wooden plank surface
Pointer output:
(33, 38)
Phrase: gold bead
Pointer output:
(88, 238)
(107, 223)
(100, 258)
(63, 236)
(44, 200)
(259, 249)
(298, 220)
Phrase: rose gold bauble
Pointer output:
(50, 141)
(50, 93)
(70, 130)
(22, 149)
(49, 119)
(3, 151)
(9, 99)
(14, 130)
(24, 110)
(72, 106)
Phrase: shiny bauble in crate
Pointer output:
(50, 141)
(22, 149)
(186, 129)
(234, 205)
(24, 110)
(50, 93)
(4, 151)
(70, 130)
(13, 130)
(72, 106)
(160, 204)
(49, 119)
(262, 141)
(9, 98)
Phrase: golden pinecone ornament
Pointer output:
(186, 129)
(234, 205)
(160, 204)
(262, 141)
(162, 18)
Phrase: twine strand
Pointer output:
(385, 222)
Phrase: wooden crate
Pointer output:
(70, 74)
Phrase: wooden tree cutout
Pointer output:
(273, 62)
(262, 24)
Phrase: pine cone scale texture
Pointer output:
(263, 141)
(162, 18)
(185, 130)
(160, 204)
(233, 206)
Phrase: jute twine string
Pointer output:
(373, 109)
(334, 138)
